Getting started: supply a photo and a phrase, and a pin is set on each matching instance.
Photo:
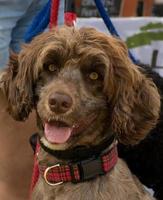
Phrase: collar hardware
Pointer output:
(46, 178)
(80, 171)
(89, 169)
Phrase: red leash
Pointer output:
(70, 14)
(35, 173)
(54, 13)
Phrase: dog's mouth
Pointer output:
(57, 132)
(60, 132)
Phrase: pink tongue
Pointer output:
(56, 134)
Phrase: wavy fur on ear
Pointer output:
(135, 99)
(17, 86)
(21, 75)
(136, 104)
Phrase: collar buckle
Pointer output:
(45, 176)
(89, 169)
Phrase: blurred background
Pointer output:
(123, 8)
(138, 22)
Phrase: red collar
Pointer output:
(80, 171)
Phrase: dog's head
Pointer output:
(83, 86)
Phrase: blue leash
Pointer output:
(106, 18)
(39, 23)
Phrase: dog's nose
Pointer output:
(60, 102)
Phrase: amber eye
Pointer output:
(93, 75)
(52, 68)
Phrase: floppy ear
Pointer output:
(21, 75)
(17, 87)
(134, 98)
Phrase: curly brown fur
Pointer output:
(119, 99)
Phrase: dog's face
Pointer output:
(72, 106)
(83, 87)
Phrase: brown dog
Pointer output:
(86, 93)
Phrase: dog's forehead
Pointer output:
(65, 49)
(77, 57)
(67, 45)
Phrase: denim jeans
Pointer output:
(15, 17)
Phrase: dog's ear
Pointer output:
(134, 97)
(17, 87)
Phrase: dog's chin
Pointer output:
(54, 146)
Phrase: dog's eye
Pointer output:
(52, 68)
(93, 76)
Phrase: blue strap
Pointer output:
(39, 23)
(105, 16)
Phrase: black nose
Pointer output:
(60, 102)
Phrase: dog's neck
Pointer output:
(79, 153)
(80, 166)
(86, 161)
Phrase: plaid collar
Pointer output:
(80, 171)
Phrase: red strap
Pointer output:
(69, 18)
(35, 174)
(54, 13)
(59, 173)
